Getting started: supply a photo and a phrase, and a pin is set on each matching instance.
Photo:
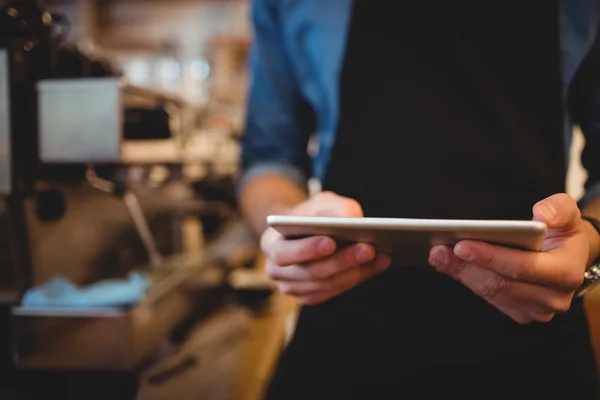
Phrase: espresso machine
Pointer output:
(80, 204)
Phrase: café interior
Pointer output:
(118, 191)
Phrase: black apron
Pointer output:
(448, 110)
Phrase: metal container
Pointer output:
(80, 120)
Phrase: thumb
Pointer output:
(559, 212)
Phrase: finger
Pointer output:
(298, 251)
(482, 281)
(340, 283)
(559, 211)
(342, 279)
(268, 238)
(526, 302)
(521, 315)
(552, 268)
(523, 302)
(541, 300)
(347, 258)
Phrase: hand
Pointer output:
(527, 286)
(312, 269)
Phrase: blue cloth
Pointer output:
(295, 66)
(59, 292)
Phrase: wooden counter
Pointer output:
(263, 346)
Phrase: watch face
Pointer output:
(592, 273)
(591, 279)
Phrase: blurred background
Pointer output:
(126, 271)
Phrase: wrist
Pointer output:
(267, 195)
(283, 208)
(592, 227)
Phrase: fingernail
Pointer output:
(364, 254)
(382, 261)
(547, 210)
(464, 251)
(439, 257)
(326, 246)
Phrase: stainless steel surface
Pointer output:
(5, 148)
(116, 339)
(80, 120)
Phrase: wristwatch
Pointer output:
(591, 277)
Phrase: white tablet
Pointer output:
(409, 240)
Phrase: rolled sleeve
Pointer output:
(584, 99)
(279, 121)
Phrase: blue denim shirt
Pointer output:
(295, 64)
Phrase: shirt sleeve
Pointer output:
(584, 102)
(278, 121)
